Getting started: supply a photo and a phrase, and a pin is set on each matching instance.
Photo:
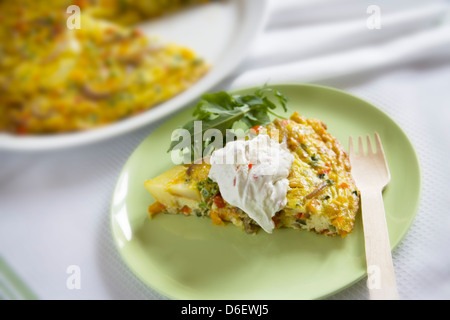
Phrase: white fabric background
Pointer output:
(54, 206)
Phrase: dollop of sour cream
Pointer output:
(252, 175)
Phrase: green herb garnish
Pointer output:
(222, 111)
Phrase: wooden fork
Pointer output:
(371, 174)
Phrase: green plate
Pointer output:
(189, 258)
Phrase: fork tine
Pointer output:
(350, 145)
(378, 143)
(380, 154)
(369, 146)
(360, 146)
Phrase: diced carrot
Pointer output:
(324, 171)
(22, 129)
(216, 220)
(186, 210)
(257, 128)
(218, 200)
(343, 185)
(342, 233)
(155, 208)
(338, 221)
(137, 32)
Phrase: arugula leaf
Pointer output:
(221, 111)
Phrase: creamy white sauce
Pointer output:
(252, 175)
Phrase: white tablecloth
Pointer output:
(54, 206)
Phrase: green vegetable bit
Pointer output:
(205, 194)
(207, 189)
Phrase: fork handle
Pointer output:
(381, 277)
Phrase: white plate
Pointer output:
(220, 31)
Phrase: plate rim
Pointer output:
(358, 277)
(179, 102)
